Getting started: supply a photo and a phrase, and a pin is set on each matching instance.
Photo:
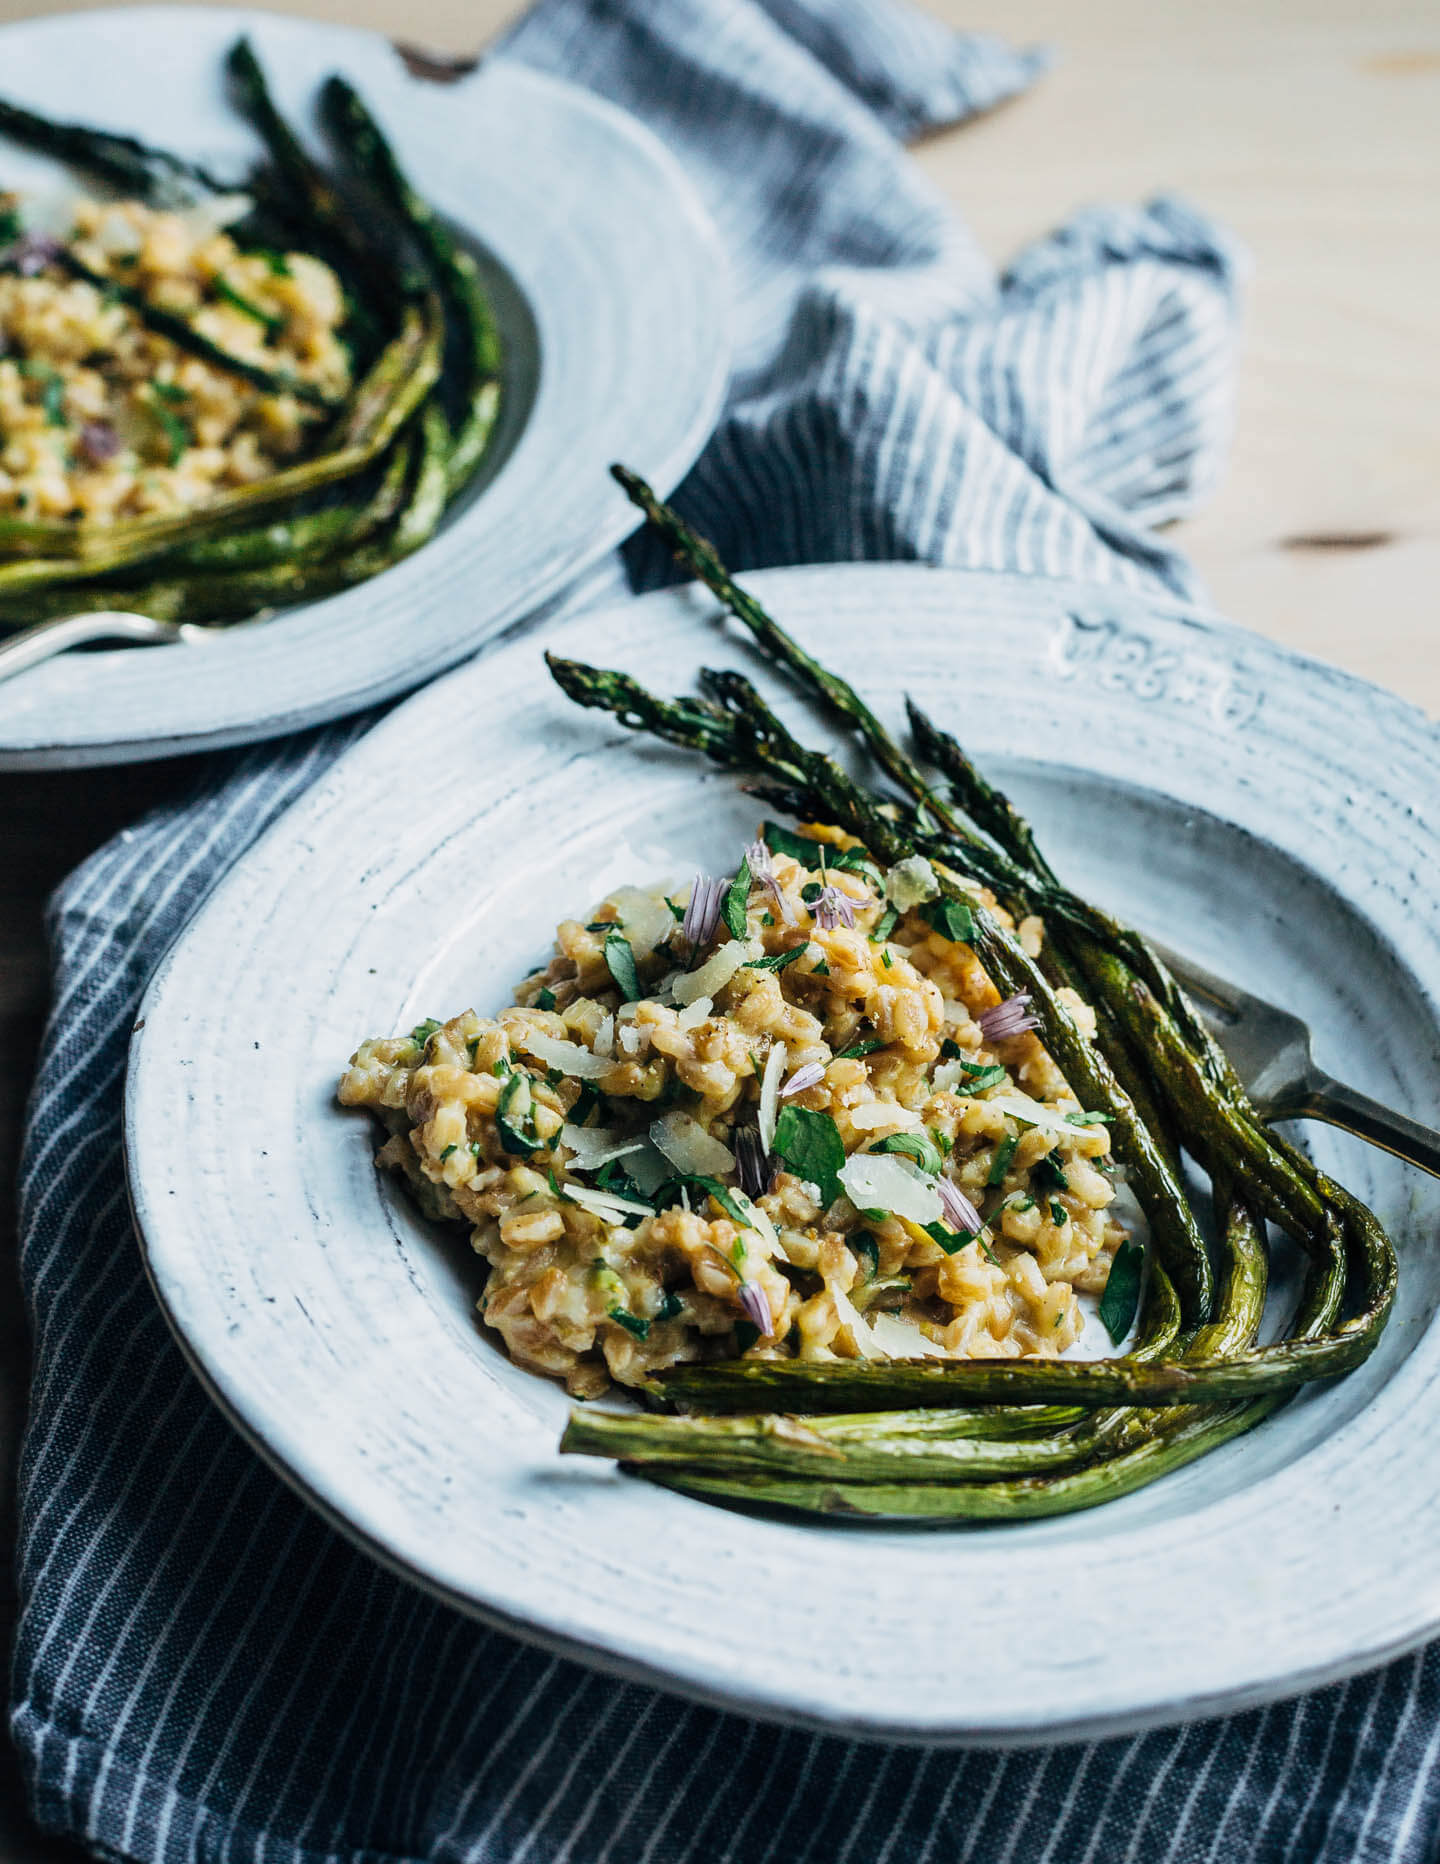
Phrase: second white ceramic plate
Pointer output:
(1254, 809)
(611, 290)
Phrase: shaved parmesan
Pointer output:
(595, 1146)
(689, 1148)
(1033, 1112)
(645, 917)
(888, 1114)
(851, 1317)
(606, 1206)
(902, 1339)
(569, 1057)
(695, 1012)
(605, 1037)
(715, 973)
(770, 1095)
(888, 1181)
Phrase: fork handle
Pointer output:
(48, 638)
(1324, 1098)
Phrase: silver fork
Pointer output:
(1271, 1052)
(47, 638)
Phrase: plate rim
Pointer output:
(689, 1679)
(567, 559)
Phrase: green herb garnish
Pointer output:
(173, 428)
(669, 1193)
(518, 1136)
(979, 1079)
(865, 1245)
(620, 962)
(778, 961)
(746, 1334)
(225, 290)
(737, 897)
(817, 854)
(1000, 1164)
(887, 960)
(632, 1323)
(950, 1241)
(1049, 1173)
(857, 1050)
(422, 1032)
(446, 1153)
(952, 919)
(670, 1306)
(1059, 1216)
(918, 1146)
(1089, 1119)
(884, 926)
(811, 1146)
(1122, 1290)
(545, 998)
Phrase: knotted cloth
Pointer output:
(205, 1672)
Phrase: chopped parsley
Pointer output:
(866, 1046)
(1000, 1164)
(516, 1127)
(447, 1152)
(811, 892)
(1059, 1215)
(545, 998)
(422, 1032)
(677, 913)
(811, 1146)
(821, 969)
(918, 1146)
(777, 961)
(1122, 1290)
(670, 1192)
(620, 962)
(884, 926)
(818, 854)
(949, 1240)
(886, 960)
(1049, 1173)
(737, 897)
(865, 1245)
(52, 389)
(951, 1050)
(632, 1323)
(176, 433)
(1089, 1119)
(980, 1078)
(952, 919)
(237, 300)
(669, 1307)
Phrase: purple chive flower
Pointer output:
(833, 908)
(99, 442)
(31, 253)
(1010, 1018)
(811, 1075)
(762, 870)
(702, 911)
(751, 1165)
(958, 1211)
(756, 1304)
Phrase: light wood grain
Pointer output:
(1310, 127)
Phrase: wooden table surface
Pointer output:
(1313, 131)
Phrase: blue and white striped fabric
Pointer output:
(205, 1672)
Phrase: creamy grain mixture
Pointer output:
(101, 418)
(803, 1137)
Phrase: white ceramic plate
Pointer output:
(1258, 810)
(611, 291)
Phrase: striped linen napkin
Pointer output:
(205, 1672)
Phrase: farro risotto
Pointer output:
(784, 1115)
(101, 417)
(220, 397)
